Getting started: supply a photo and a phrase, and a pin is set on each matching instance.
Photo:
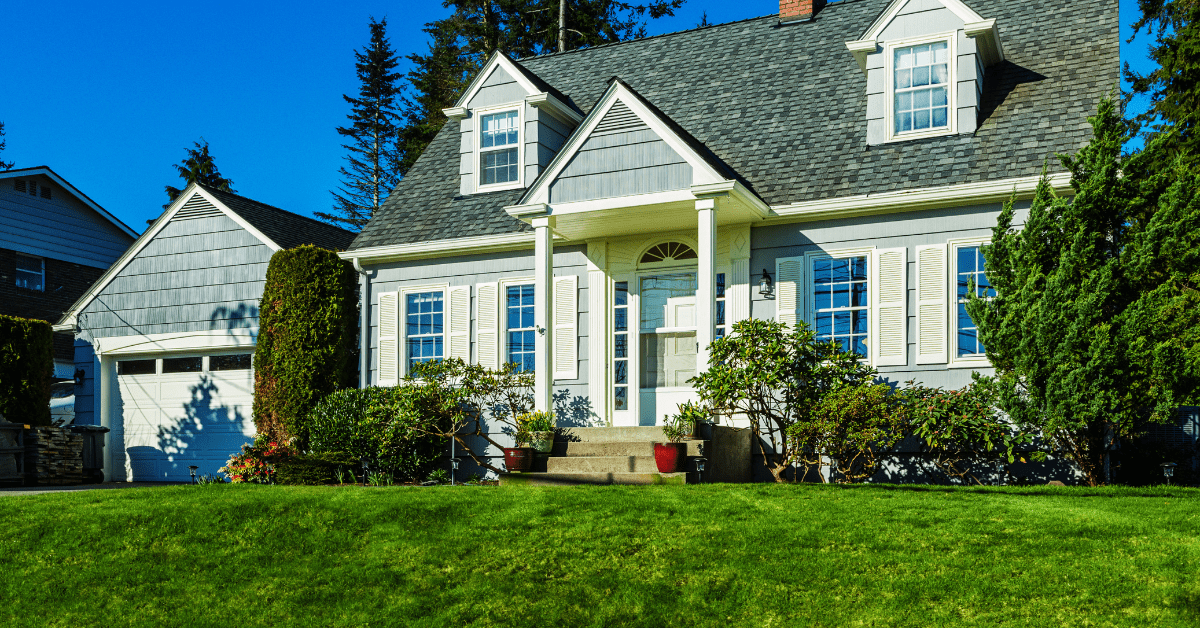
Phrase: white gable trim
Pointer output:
(42, 170)
(702, 172)
(985, 32)
(956, 7)
(69, 320)
(176, 341)
(497, 60)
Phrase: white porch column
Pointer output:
(706, 286)
(543, 282)
(597, 254)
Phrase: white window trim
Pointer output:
(477, 152)
(628, 416)
(41, 260)
(975, 360)
(502, 306)
(810, 315)
(951, 39)
(402, 322)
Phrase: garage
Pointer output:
(177, 410)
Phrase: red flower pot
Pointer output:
(518, 458)
(669, 456)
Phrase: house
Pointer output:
(55, 242)
(599, 216)
(165, 338)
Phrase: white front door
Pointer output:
(666, 343)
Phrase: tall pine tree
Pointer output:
(198, 167)
(437, 79)
(4, 165)
(1174, 85)
(373, 159)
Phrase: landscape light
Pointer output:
(1168, 470)
(700, 468)
(192, 468)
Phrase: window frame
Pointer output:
(974, 360)
(402, 322)
(478, 151)
(809, 307)
(889, 52)
(18, 269)
(502, 297)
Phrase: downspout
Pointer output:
(364, 329)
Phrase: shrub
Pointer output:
(26, 369)
(257, 463)
(853, 425)
(313, 469)
(306, 338)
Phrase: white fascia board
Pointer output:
(25, 172)
(455, 113)
(68, 321)
(211, 339)
(956, 7)
(922, 198)
(860, 49)
(736, 191)
(440, 248)
(555, 107)
(234, 216)
(509, 67)
(987, 38)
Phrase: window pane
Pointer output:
(668, 359)
(720, 313)
(920, 120)
(841, 270)
(136, 367)
(183, 365)
(621, 370)
(841, 323)
(858, 294)
(968, 342)
(964, 319)
(620, 319)
(621, 293)
(824, 324)
(841, 295)
(938, 117)
(237, 362)
(720, 285)
(920, 99)
(860, 345)
(821, 270)
(620, 400)
(621, 346)
(860, 322)
(858, 268)
(498, 167)
(941, 74)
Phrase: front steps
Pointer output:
(605, 455)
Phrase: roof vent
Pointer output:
(45, 191)
(19, 185)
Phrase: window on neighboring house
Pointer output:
(31, 273)
(423, 314)
(719, 332)
(840, 301)
(518, 307)
(621, 346)
(969, 269)
(921, 87)
(498, 148)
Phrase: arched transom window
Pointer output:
(668, 252)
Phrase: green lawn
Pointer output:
(712, 555)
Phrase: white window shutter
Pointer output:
(932, 311)
(460, 323)
(566, 335)
(789, 281)
(890, 328)
(487, 325)
(389, 358)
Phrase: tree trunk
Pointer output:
(562, 25)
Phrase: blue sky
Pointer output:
(110, 94)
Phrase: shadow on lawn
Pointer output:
(1032, 491)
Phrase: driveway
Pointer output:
(42, 490)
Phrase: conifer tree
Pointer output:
(1174, 84)
(437, 79)
(372, 159)
(198, 167)
(4, 165)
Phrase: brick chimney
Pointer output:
(797, 10)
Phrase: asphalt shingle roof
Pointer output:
(286, 229)
(785, 108)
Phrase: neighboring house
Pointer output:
(166, 337)
(601, 215)
(54, 243)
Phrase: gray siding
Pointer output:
(921, 17)
(60, 227)
(498, 89)
(197, 274)
(544, 136)
(621, 157)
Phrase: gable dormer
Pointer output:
(511, 124)
(925, 61)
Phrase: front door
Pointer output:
(667, 343)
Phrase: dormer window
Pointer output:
(920, 81)
(499, 148)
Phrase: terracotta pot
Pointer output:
(543, 442)
(518, 458)
(669, 456)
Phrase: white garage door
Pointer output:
(181, 410)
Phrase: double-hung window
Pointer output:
(424, 331)
(499, 148)
(921, 88)
(31, 273)
(969, 270)
(841, 301)
(518, 308)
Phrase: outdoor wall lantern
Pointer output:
(764, 284)
(1168, 470)
(700, 461)
(79, 375)
(192, 469)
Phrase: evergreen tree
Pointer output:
(4, 165)
(437, 79)
(198, 167)
(373, 158)
(1174, 85)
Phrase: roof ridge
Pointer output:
(611, 44)
(292, 213)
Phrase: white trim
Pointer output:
(987, 39)
(478, 151)
(43, 170)
(175, 342)
(951, 85)
(502, 311)
(441, 248)
(975, 360)
(810, 316)
(69, 320)
(956, 7)
(551, 104)
(497, 60)
(402, 323)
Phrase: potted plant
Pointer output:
(698, 418)
(669, 456)
(540, 427)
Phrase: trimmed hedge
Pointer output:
(306, 339)
(387, 428)
(26, 370)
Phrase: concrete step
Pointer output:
(618, 448)
(602, 464)
(647, 434)
(568, 479)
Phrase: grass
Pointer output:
(711, 555)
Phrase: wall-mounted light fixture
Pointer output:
(764, 284)
(79, 375)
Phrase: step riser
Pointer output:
(572, 479)
(608, 464)
(614, 434)
(617, 448)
